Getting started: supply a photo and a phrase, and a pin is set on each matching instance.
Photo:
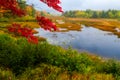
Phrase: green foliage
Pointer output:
(18, 55)
(42, 72)
(25, 19)
(9, 55)
(6, 75)
(3, 19)
(112, 66)
(93, 14)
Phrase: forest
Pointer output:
(93, 13)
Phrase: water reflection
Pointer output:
(88, 39)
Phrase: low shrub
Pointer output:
(112, 67)
(6, 75)
(50, 72)
(18, 55)
(41, 72)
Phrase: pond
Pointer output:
(89, 39)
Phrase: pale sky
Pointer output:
(80, 4)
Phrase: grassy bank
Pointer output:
(110, 25)
(20, 60)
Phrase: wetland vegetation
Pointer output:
(24, 61)
(20, 60)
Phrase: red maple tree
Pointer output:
(45, 23)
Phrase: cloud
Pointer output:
(71, 4)
(80, 4)
(101, 4)
(90, 4)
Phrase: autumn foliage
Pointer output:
(12, 5)
(45, 23)
(23, 31)
(54, 4)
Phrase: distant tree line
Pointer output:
(92, 14)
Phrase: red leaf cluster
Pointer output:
(46, 23)
(23, 31)
(13, 6)
(53, 4)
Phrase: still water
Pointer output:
(88, 39)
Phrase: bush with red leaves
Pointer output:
(17, 29)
